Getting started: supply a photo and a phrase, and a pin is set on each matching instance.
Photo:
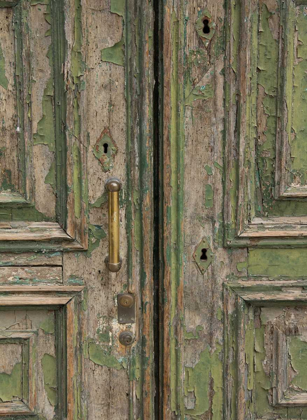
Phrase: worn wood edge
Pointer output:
(172, 177)
(39, 289)
(139, 91)
(37, 236)
(13, 409)
(269, 291)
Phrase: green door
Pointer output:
(234, 210)
(198, 108)
(70, 120)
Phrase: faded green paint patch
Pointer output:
(191, 335)
(281, 263)
(50, 377)
(118, 7)
(262, 382)
(96, 233)
(77, 177)
(101, 357)
(200, 93)
(7, 180)
(45, 128)
(47, 325)
(50, 177)
(114, 54)
(75, 280)
(297, 138)
(100, 201)
(298, 353)
(208, 196)
(208, 169)
(104, 334)
(218, 166)
(208, 370)
(77, 63)
(11, 384)
(242, 266)
(3, 79)
(84, 303)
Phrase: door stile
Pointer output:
(139, 207)
(172, 235)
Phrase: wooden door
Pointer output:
(199, 109)
(75, 111)
(234, 209)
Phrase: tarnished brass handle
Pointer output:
(113, 261)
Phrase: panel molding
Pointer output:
(243, 227)
(27, 340)
(69, 231)
(241, 298)
(65, 300)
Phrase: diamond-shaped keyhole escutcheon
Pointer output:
(205, 26)
(105, 150)
(203, 255)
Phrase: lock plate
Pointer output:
(126, 308)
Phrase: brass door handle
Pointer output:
(113, 261)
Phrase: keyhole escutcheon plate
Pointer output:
(205, 26)
(203, 255)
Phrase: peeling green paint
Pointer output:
(74, 279)
(47, 325)
(299, 100)
(277, 263)
(50, 377)
(208, 196)
(208, 169)
(100, 201)
(191, 335)
(199, 93)
(104, 334)
(96, 233)
(11, 384)
(298, 354)
(3, 79)
(118, 7)
(50, 177)
(77, 178)
(218, 166)
(7, 180)
(102, 357)
(242, 266)
(114, 54)
(198, 379)
(262, 382)
(45, 128)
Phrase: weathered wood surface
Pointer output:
(231, 177)
(70, 103)
(193, 201)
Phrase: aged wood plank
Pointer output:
(30, 259)
(30, 274)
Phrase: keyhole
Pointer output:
(105, 148)
(206, 28)
(203, 256)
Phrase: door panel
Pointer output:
(40, 197)
(76, 83)
(234, 210)
(264, 151)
